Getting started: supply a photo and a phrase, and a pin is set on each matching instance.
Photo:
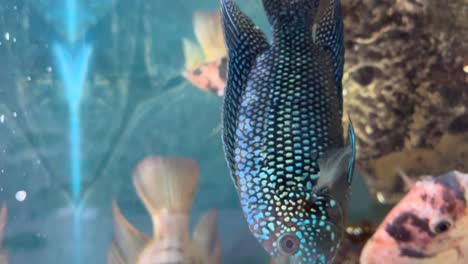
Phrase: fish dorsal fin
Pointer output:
(206, 237)
(127, 242)
(209, 33)
(245, 42)
(193, 54)
(338, 163)
(327, 30)
(166, 184)
(3, 218)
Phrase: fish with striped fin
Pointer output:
(166, 185)
(282, 127)
(3, 218)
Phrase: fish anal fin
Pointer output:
(206, 237)
(128, 242)
(209, 33)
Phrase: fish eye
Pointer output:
(442, 226)
(289, 244)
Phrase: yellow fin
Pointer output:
(209, 32)
(193, 54)
(3, 218)
(206, 237)
(127, 242)
(166, 184)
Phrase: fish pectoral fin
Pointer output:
(209, 33)
(333, 166)
(206, 236)
(338, 163)
(128, 242)
(351, 145)
(193, 54)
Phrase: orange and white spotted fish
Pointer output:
(428, 226)
(167, 187)
(3, 218)
(206, 61)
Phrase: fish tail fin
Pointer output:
(209, 32)
(206, 236)
(3, 218)
(127, 242)
(281, 11)
(166, 183)
(193, 54)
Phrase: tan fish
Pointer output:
(428, 226)
(167, 187)
(3, 218)
(205, 61)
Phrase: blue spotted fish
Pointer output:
(282, 127)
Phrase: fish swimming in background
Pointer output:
(206, 63)
(428, 226)
(166, 185)
(283, 132)
(3, 218)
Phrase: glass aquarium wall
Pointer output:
(89, 89)
(110, 118)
